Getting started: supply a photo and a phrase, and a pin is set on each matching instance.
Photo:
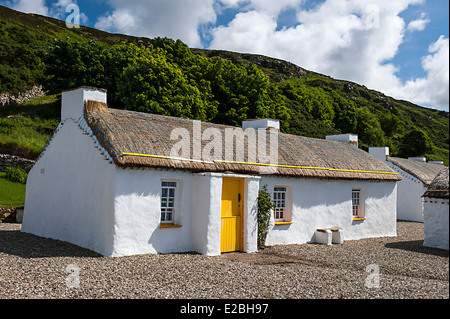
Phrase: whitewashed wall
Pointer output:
(206, 210)
(75, 194)
(198, 210)
(410, 191)
(137, 212)
(69, 193)
(436, 223)
(250, 233)
(326, 203)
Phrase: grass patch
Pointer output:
(29, 126)
(11, 194)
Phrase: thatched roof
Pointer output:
(136, 139)
(439, 186)
(423, 171)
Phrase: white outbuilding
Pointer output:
(124, 183)
(417, 175)
(435, 211)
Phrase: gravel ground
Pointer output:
(33, 267)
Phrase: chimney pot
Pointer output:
(381, 153)
(344, 138)
(262, 124)
(419, 159)
(436, 162)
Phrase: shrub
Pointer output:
(416, 143)
(17, 175)
(265, 205)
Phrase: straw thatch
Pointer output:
(439, 186)
(136, 139)
(423, 171)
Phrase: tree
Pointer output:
(151, 84)
(241, 91)
(415, 143)
(368, 128)
(391, 124)
(168, 79)
(309, 100)
(70, 64)
(345, 113)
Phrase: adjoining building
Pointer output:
(435, 211)
(417, 175)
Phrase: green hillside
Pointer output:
(166, 77)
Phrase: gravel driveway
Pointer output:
(400, 267)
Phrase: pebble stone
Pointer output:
(394, 267)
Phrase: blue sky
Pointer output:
(400, 47)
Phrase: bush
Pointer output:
(17, 175)
(265, 205)
(416, 143)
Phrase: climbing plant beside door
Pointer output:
(265, 205)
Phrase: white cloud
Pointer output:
(270, 7)
(419, 24)
(58, 11)
(178, 19)
(353, 40)
(30, 6)
(434, 88)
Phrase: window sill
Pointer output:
(359, 218)
(283, 223)
(167, 225)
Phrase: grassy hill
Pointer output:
(316, 105)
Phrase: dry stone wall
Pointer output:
(7, 160)
(8, 99)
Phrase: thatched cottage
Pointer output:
(435, 211)
(417, 175)
(123, 183)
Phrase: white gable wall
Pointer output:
(436, 223)
(327, 203)
(410, 191)
(69, 193)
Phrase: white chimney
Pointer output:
(436, 162)
(73, 101)
(262, 124)
(419, 159)
(381, 153)
(344, 138)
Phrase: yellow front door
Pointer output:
(232, 204)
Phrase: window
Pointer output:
(357, 204)
(168, 191)
(280, 199)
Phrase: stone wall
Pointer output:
(7, 160)
(8, 215)
(8, 99)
